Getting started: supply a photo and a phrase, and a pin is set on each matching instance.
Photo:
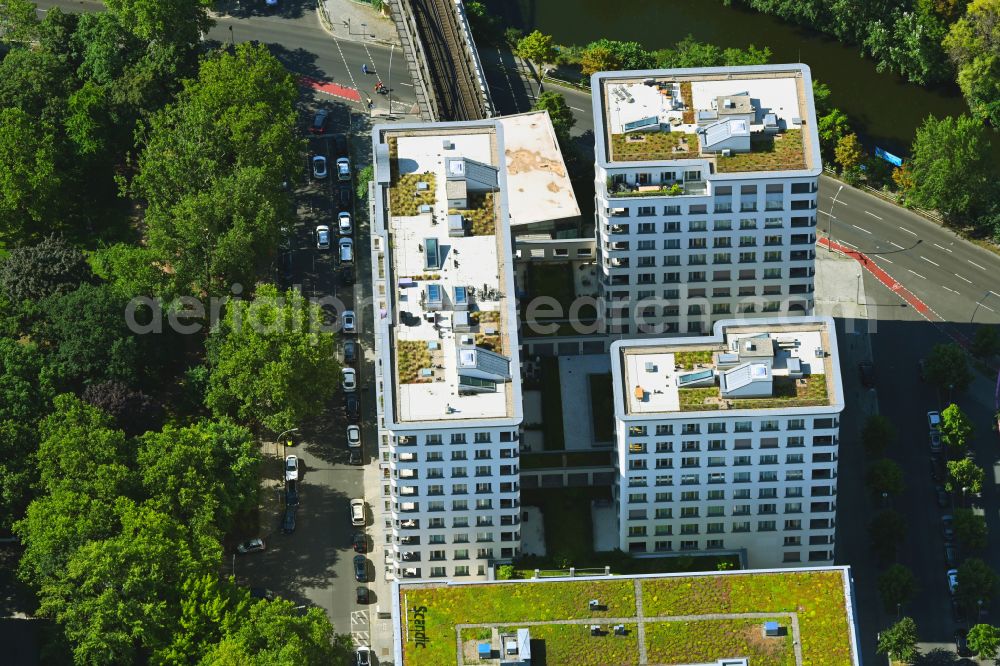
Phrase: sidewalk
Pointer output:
(350, 20)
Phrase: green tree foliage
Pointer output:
(18, 21)
(985, 342)
(849, 155)
(899, 641)
(131, 410)
(211, 170)
(832, 127)
(947, 368)
(537, 48)
(976, 582)
(486, 28)
(877, 435)
(909, 43)
(953, 169)
(897, 586)
(691, 53)
(598, 59)
(270, 363)
(965, 475)
(52, 266)
(984, 641)
(955, 427)
(608, 54)
(203, 473)
(559, 112)
(884, 477)
(886, 532)
(30, 191)
(209, 609)
(821, 98)
(364, 178)
(973, 44)
(180, 22)
(970, 529)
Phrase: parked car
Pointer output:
(360, 541)
(319, 122)
(343, 168)
(943, 498)
(340, 141)
(288, 520)
(319, 167)
(346, 250)
(363, 657)
(347, 275)
(948, 528)
(935, 439)
(291, 468)
(354, 457)
(344, 224)
(360, 568)
(961, 647)
(362, 594)
(350, 351)
(322, 237)
(952, 580)
(353, 436)
(250, 546)
(352, 406)
(349, 380)
(933, 420)
(866, 370)
(957, 612)
(937, 469)
(347, 322)
(357, 512)
(291, 494)
(344, 195)
(950, 556)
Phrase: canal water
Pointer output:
(885, 109)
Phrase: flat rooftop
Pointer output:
(452, 352)
(749, 366)
(739, 119)
(813, 610)
(538, 186)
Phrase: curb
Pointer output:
(329, 29)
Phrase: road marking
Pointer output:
(873, 215)
(951, 290)
(359, 617)
(885, 259)
(361, 638)
(987, 307)
(930, 262)
(912, 233)
(580, 110)
(897, 245)
(963, 278)
(975, 264)
(917, 274)
(860, 229)
(848, 244)
(941, 247)
(823, 212)
(408, 85)
(994, 293)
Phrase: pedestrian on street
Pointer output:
(364, 68)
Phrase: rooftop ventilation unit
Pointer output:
(448, 144)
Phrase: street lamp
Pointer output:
(278, 438)
(829, 228)
(392, 48)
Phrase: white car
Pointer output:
(319, 167)
(952, 580)
(357, 512)
(291, 468)
(347, 322)
(353, 436)
(363, 657)
(343, 168)
(322, 237)
(933, 420)
(349, 381)
(935, 438)
(344, 224)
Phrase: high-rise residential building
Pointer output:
(447, 373)
(706, 195)
(728, 442)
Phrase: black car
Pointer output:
(362, 595)
(291, 494)
(347, 275)
(341, 142)
(360, 568)
(961, 647)
(950, 555)
(288, 520)
(353, 408)
(937, 469)
(360, 541)
(354, 457)
(866, 370)
(319, 121)
(344, 197)
(350, 351)
(943, 498)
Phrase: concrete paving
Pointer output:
(532, 531)
(574, 371)
(357, 21)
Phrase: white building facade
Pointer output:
(706, 199)
(728, 442)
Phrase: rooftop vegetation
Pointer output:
(481, 213)
(411, 357)
(642, 146)
(808, 391)
(693, 399)
(405, 199)
(688, 359)
(697, 641)
(767, 153)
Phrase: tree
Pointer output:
(885, 478)
(955, 427)
(364, 178)
(536, 48)
(977, 582)
(966, 476)
(691, 53)
(832, 127)
(886, 531)
(897, 586)
(849, 155)
(52, 266)
(559, 113)
(129, 270)
(877, 435)
(971, 44)
(18, 21)
(909, 42)
(29, 180)
(180, 22)
(953, 168)
(984, 641)
(608, 54)
(598, 59)
(270, 363)
(970, 529)
(947, 368)
(132, 411)
(821, 98)
(209, 609)
(986, 342)
(899, 641)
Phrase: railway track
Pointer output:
(458, 96)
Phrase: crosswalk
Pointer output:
(360, 629)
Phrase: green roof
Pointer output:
(686, 618)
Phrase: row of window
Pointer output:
(719, 510)
(721, 427)
(717, 544)
(716, 478)
(740, 526)
(461, 472)
(618, 225)
(456, 438)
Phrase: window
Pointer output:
(458, 438)
(672, 244)
(722, 258)
(435, 506)
(697, 225)
(664, 497)
(766, 526)
(697, 243)
(482, 438)
(637, 530)
(689, 512)
(461, 554)
(460, 505)
(458, 455)
(741, 526)
(741, 493)
(716, 494)
(716, 511)
(459, 472)
(689, 545)
(773, 222)
(767, 508)
(435, 490)
(462, 570)
(747, 258)
(716, 445)
(741, 510)
(768, 425)
(665, 480)
(748, 224)
(647, 245)
(793, 524)
(671, 227)
(646, 211)
(769, 460)
(646, 228)
(689, 528)
(793, 507)
(741, 477)
(796, 424)
(664, 514)
(689, 496)
(636, 498)
(459, 489)
(792, 556)
(671, 210)
(747, 241)
(715, 528)
(772, 273)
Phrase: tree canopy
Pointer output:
(948, 369)
(899, 641)
(559, 112)
(973, 44)
(52, 266)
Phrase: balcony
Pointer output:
(408, 524)
(408, 491)
(409, 556)
(406, 457)
(620, 190)
(408, 540)
(408, 572)
(408, 507)
(801, 255)
(408, 474)
(802, 239)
